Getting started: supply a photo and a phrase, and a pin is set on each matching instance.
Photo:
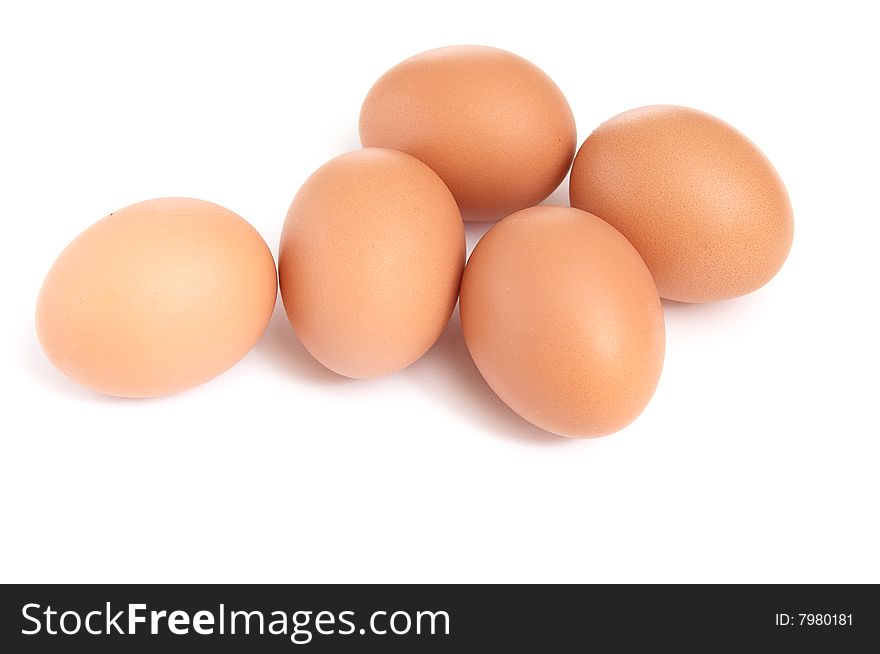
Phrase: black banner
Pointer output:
(420, 618)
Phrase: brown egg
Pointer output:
(156, 297)
(701, 204)
(563, 321)
(370, 261)
(495, 128)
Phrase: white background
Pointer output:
(757, 459)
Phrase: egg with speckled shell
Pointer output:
(492, 125)
(703, 206)
(562, 319)
(370, 261)
(156, 298)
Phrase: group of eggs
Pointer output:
(560, 306)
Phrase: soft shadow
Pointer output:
(713, 310)
(450, 374)
(560, 195)
(343, 137)
(280, 345)
(346, 140)
(475, 228)
(474, 232)
(471, 218)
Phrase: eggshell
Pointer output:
(702, 205)
(495, 128)
(156, 297)
(563, 321)
(370, 261)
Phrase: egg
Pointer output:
(157, 297)
(494, 126)
(370, 261)
(563, 321)
(703, 206)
